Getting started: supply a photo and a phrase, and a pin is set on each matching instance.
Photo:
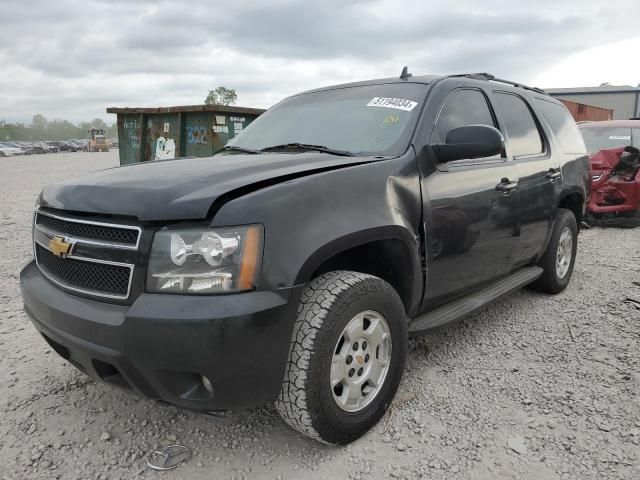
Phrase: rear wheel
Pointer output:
(559, 258)
(347, 357)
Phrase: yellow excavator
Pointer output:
(98, 142)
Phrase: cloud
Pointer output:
(71, 59)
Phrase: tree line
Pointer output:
(57, 129)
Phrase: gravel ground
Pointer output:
(535, 387)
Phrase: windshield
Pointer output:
(366, 120)
(604, 138)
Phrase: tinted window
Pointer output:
(521, 127)
(462, 107)
(563, 126)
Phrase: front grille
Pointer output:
(84, 275)
(89, 231)
(85, 255)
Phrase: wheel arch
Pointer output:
(390, 253)
(575, 202)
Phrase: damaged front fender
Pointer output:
(311, 220)
(615, 188)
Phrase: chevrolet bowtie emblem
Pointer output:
(59, 247)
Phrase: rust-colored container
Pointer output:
(581, 112)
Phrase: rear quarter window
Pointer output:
(563, 126)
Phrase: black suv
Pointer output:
(293, 265)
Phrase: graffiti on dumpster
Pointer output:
(197, 135)
(132, 132)
(165, 148)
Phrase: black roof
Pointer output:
(428, 79)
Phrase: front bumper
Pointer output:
(162, 345)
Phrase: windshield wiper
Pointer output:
(306, 146)
(233, 148)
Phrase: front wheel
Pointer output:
(560, 255)
(346, 359)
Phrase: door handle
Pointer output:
(553, 174)
(506, 186)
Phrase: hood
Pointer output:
(182, 189)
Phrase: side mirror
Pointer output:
(470, 141)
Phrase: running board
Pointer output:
(458, 309)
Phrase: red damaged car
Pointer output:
(614, 151)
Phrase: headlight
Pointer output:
(205, 260)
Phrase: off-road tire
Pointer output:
(328, 303)
(549, 282)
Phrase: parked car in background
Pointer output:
(47, 148)
(7, 150)
(65, 145)
(26, 148)
(85, 144)
(614, 155)
(57, 144)
(75, 144)
(35, 147)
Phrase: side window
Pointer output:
(522, 130)
(462, 107)
(563, 126)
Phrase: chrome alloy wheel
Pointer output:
(361, 361)
(565, 252)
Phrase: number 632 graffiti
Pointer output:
(197, 135)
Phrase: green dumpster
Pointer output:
(172, 132)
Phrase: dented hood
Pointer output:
(182, 189)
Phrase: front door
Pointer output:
(471, 208)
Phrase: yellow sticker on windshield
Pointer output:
(391, 119)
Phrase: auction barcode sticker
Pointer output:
(397, 103)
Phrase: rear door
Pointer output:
(470, 225)
(537, 168)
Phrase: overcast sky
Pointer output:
(71, 59)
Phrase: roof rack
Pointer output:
(489, 77)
